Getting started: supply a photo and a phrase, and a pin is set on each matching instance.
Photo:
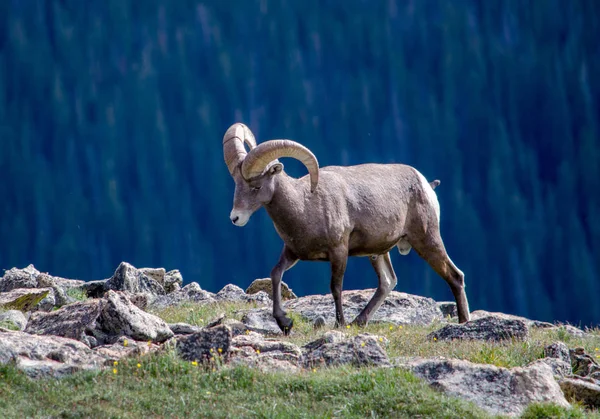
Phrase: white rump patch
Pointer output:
(432, 197)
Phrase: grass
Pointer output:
(162, 385)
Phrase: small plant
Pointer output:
(77, 294)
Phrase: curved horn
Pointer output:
(233, 145)
(258, 158)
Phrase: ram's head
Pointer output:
(254, 171)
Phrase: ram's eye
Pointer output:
(256, 188)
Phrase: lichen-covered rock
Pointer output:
(76, 321)
(497, 390)
(19, 278)
(173, 281)
(490, 328)
(479, 314)
(190, 293)
(265, 285)
(40, 356)
(336, 348)
(253, 350)
(120, 316)
(183, 328)
(208, 343)
(23, 299)
(582, 363)
(128, 278)
(558, 350)
(13, 320)
(234, 293)
(261, 320)
(581, 390)
(398, 307)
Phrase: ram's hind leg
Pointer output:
(431, 248)
(286, 261)
(387, 281)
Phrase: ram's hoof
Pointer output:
(285, 325)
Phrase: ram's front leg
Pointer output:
(286, 261)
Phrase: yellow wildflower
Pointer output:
(149, 343)
(434, 339)
(258, 351)
(114, 370)
(362, 344)
(347, 326)
(380, 339)
(195, 363)
(116, 363)
(314, 370)
(400, 327)
(139, 365)
(125, 342)
(220, 350)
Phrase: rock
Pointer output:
(173, 281)
(253, 350)
(190, 293)
(261, 321)
(157, 274)
(76, 321)
(234, 293)
(205, 344)
(558, 350)
(183, 328)
(580, 390)
(571, 330)
(19, 278)
(398, 307)
(448, 309)
(583, 364)
(40, 356)
(94, 289)
(479, 314)
(486, 328)
(13, 320)
(23, 299)
(335, 348)
(319, 322)
(125, 347)
(128, 278)
(47, 303)
(559, 367)
(48, 281)
(497, 390)
(120, 317)
(266, 286)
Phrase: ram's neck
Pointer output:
(287, 204)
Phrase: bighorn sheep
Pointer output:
(336, 212)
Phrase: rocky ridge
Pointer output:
(46, 331)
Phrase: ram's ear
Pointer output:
(275, 169)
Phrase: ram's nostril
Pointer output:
(234, 219)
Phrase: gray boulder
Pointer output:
(582, 390)
(173, 281)
(234, 293)
(75, 321)
(558, 350)
(261, 321)
(190, 293)
(119, 316)
(183, 328)
(23, 299)
(19, 278)
(500, 391)
(128, 278)
(209, 343)
(398, 307)
(490, 328)
(479, 314)
(40, 356)
(252, 349)
(265, 285)
(13, 320)
(336, 348)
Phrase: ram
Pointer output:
(335, 212)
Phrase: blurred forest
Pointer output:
(112, 115)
